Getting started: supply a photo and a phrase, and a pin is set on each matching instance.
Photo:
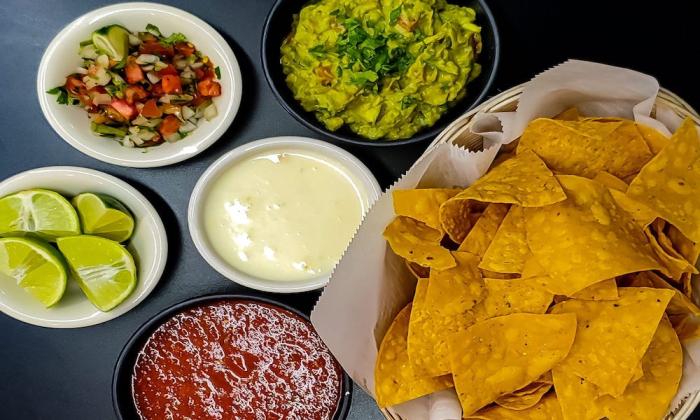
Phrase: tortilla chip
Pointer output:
(428, 331)
(653, 138)
(547, 409)
(610, 181)
(680, 304)
(458, 289)
(638, 372)
(674, 263)
(523, 180)
(417, 270)
(500, 355)
(641, 214)
(508, 251)
(687, 327)
(532, 268)
(570, 114)
(525, 400)
(684, 246)
(612, 336)
(585, 148)
(670, 183)
(422, 204)
(482, 232)
(500, 276)
(416, 242)
(587, 238)
(455, 218)
(395, 379)
(647, 398)
(505, 297)
(603, 290)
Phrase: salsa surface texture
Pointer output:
(236, 359)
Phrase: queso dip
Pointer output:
(284, 214)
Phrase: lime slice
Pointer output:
(104, 216)
(42, 213)
(104, 270)
(35, 266)
(112, 40)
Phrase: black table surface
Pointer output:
(66, 374)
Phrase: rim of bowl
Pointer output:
(307, 118)
(122, 366)
(158, 236)
(194, 211)
(141, 160)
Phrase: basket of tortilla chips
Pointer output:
(557, 284)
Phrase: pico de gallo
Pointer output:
(142, 88)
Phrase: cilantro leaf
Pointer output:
(408, 101)
(217, 70)
(318, 51)
(62, 94)
(364, 77)
(153, 30)
(394, 15)
(173, 39)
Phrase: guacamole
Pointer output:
(384, 68)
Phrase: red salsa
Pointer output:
(236, 359)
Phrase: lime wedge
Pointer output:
(42, 213)
(104, 270)
(104, 216)
(35, 266)
(112, 40)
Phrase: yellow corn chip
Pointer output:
(501, 276)
(532, 268)
(500, 355)
(458, 289)
(674, 263)
(680, 304)
(548, 408)
(455, 218)
(508, 250)
(418, 243)
(687, 327)
(395, 379)
(641, 214)
(505, 297)
(612, 336)
(428, 331)
(653, 137)
(422, 204)
(646, 398)
(685, 247)
(523, 180)
(570, 114)
(586, 147)
(481, 234)
(524, 400)
(610, 181)
(670, 183)
(603, 290)
(587, 238)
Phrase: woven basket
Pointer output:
(459, 133)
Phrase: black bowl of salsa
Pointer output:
(278, 25)
(242, 354)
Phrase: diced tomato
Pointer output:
(199, 73)
(157, 90)
(150, 109)
(208, 87)
(134, 74)
(210, 73)
(169, 126)
(171, 83)
(198, 99)
(184, 48)
(74, 85)
(156, 48)
(168, 70)
(135, 93)
(127, 110)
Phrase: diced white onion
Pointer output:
(140, 120)
(159, 65)
(187, 127)
(88, 51)
(180, 64)
(173, 137)
(146, 59)
(148, 67)
(137, 140)
(102, 61)
(152, 77)
(134, 129)
(117, 79)
(102, 99)
(126, 142)
(187, 112)
(164, 99)
(196, 65)
(134, 40)
(81, 70)
(146, 134)
(210, 112)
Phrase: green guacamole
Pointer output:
(384, 68)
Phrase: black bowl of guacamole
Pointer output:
(353, 73)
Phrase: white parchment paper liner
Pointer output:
(370, 284)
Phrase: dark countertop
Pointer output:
(66, 374)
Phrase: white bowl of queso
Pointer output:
(277, 214)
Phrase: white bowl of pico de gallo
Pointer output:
(139, 84)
